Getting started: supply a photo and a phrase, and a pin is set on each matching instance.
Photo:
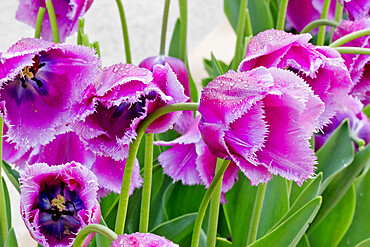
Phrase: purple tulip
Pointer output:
(356, 9)
(262, 120)
(57, 201)
(302, 12)
(181, 72)
(357, 64)
(142, 240)
(68, 147)
(321, 67)
(190, 161)
(66, 11)
(359, 123)
(42, 84)
(123, 96)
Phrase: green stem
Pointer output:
(53, 21)
(322, 29)
(337, 17)
(80, 31)
(3, 213)
(126, 181)
(338, 12)
(240, 34)
(256, 213)
(349, 37)
(183, 28)
(91, 228)
(353, 50)
(317, 23)
(248, 24)
(205, 201)
(280, 23)
(124, 31)
(147, 185)
(39, 20)
(214, 211)
(164, 27)
(85, 40)
(97, 49)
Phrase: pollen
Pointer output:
(59, 202)
(27, 73)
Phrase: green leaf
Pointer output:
(340, 184)
(309, 193)
(7, 204)
(108, 203)
(238, 215)
(291, 231)
(360, 227)
(259, 11)
(223, 242)
(304, 242)
(217, 68)
(336, 153)
(231, 8)
(11, 240)
(275, 204)
(260, 15)
(366, 110)
(12, 174)
(178, 229)
(365, 243)
(207, 80)
(332, 229)
(157, 212)
(133, 212)
(175, 196)
(102, 241)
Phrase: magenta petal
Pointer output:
(268, 133)
(67, 14)
(178, 162)
(110, 173)
(173, 92)
(322, 67)
(44, 101)
(357, 9)
(142, 239)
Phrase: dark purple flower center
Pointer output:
(116, 120)
(58, 207)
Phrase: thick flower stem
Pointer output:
(124, 31)
(258, 203)
(91, 228)
(183, 29)
(338, 12)
(39, 20)
(205, 201)
(353, 50)
(349, 37)
(125, 188)
(322, 29)
(164, 27)
(3, 214)
(280, 23)
(147, 185)
(214, 211)
(317, 23)
(240, 34)
(53, 21)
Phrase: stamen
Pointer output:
(38, 82)
(59, 203)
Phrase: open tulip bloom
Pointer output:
(271, 150)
